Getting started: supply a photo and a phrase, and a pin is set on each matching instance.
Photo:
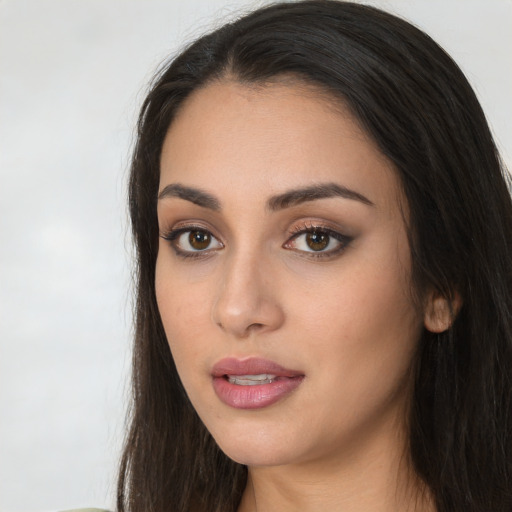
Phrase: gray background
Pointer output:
(72, 75)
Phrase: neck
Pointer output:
(377, 478)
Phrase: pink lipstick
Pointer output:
(253, 383)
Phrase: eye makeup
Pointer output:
(192, 241)
(309, 239)
(315, 240)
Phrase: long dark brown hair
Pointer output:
(416, 104)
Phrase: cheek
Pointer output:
(361, 321)
(183, 309)
(363, 327)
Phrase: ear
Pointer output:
(440, 311)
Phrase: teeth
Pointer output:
(251, 380)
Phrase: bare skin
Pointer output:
(316, 280)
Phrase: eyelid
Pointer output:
(304, 228)
(311, 227)
(173, 234)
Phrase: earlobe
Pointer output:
(440, 312)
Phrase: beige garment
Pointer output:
(86, 510)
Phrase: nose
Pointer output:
(247, 301)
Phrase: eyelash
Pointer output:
(172, 235)
(306, 228)
(294, 234)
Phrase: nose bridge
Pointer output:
(246, 299)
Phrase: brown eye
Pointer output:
(317, 241)
(192, 241)
(199, 240)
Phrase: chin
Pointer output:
(257, 447)
(250, 456)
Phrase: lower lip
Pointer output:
(254, 397)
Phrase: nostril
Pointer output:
(239, 317)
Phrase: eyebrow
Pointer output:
(320, 191)
(285, 200)
(194, 195)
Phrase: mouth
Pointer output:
(251, 380)
(253, 383)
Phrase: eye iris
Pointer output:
(317, 241)
(199, 239)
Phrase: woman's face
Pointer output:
(283, 275)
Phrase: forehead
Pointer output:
(263, 139)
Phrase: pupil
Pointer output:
(317, 241)
(199, 239)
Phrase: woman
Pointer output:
(323, 233)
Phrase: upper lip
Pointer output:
(251, 366)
